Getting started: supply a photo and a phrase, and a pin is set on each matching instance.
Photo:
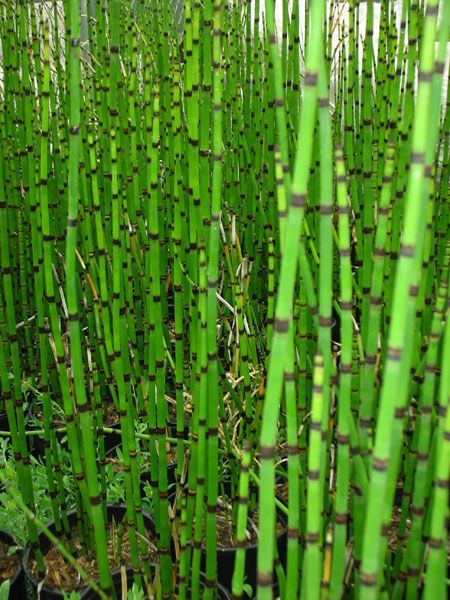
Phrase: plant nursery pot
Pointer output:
(171, 476)
(4, 425)
(145, 474)
(90, 594)
(172, 429)
(37, 442)
(38, 448)
(226, 558)
(221, 592)
(114, 511)
(16, 577)
(112, 439)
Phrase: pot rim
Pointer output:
(250, 547)
(129, 572)
(6, 536)
(27, 551)
(229, 549)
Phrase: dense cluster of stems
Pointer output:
(226, 223)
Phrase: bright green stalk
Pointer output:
(414, 550)
(95, 511)
(371, 346)
(325, 278)
(201, 410)
(350, 116)
(436, 571)
(413, 229)
(270, 289)
(312, 562)
(213, 274)
(367, 166)
(156, 361)
(278, 91)
(344, 399)
(183, 569)
(239, 564)
(177, 234)
(119, 343)
(284, 305)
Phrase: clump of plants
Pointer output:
(224, 275)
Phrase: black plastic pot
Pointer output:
(114, 511)
(172, 428)
(17, 581)
(4, 425)
(38, 443)
(226, 558)
(145, 476)
(90, 594)
(112, 439)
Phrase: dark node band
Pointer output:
(282, 325)
(312, 538)
(341, 518)
(264, 579)
(267, 452)
(379, 464)
(368, 579)
(298, 200)
(311, 79)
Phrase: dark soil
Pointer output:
(61, 575)
(282, 489)
(40, 416)
(8, 564)
(226, 529)
(112, 416)
(117, 465)
(394, 542)
(172, 411)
